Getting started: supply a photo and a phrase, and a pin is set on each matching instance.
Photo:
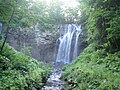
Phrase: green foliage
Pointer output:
(29, 12)
(6, 7)
(93, 70)
(20, 72)
(98, 66)
(101, 18)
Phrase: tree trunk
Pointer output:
(7, 29)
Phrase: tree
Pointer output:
(100, 17)
(5, 14)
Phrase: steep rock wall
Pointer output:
(40, 45)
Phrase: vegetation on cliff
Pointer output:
(98, 66)
(20, 72)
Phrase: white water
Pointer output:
(78, 32)
(64, 50)
(37, 33)
(1, 31)
(0, 27)
(54, 82)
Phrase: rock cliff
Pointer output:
(40, 45)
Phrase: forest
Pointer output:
(96, 67)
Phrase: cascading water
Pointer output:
(37, 33)
(0, 27)
(78, 32)
(64, 50)
(1, 31)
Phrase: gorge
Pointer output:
(59, 45)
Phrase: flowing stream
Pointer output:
(69, 35)
(54, 82)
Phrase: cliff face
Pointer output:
(40, 45)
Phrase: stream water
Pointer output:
(54, 82)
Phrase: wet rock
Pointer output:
(35, 43)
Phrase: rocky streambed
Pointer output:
(54, 82)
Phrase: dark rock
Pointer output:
(37, 44)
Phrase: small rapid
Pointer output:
(54, 82)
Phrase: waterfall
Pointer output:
(0, 27)
(37, 33)
(65, 39)
(78, 32)
(1, 31)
